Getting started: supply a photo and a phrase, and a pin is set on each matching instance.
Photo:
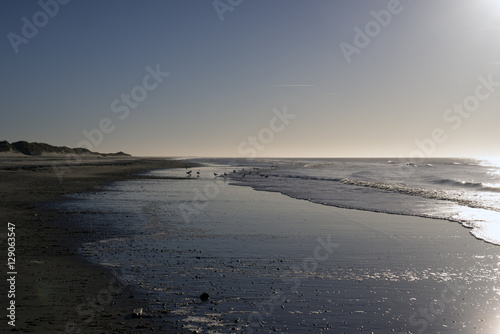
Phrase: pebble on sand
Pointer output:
(137, 313)
(204, 297)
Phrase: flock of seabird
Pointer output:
(242, 173)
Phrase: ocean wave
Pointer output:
(459, 183)
(454, 190)
(461, 195)
(471, 185)
(492, 187)
(448, 195)
(480, 228)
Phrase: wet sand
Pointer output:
(57, 290)
(257, 255)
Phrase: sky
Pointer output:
(253, 78)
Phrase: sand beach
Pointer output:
(268, 262)
(56, 289)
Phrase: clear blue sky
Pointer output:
(226, 76)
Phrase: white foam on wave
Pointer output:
(456, 191)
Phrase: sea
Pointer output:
(466, 191)
(247, 232)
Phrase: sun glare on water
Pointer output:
(486, 223)
(493, 165)
(490, 161)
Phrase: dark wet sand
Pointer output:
(255, 254)
(58, 291)
(390, 273)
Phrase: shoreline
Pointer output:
(57, 290)
(62, 291)
(461, 223)
(251, 249)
